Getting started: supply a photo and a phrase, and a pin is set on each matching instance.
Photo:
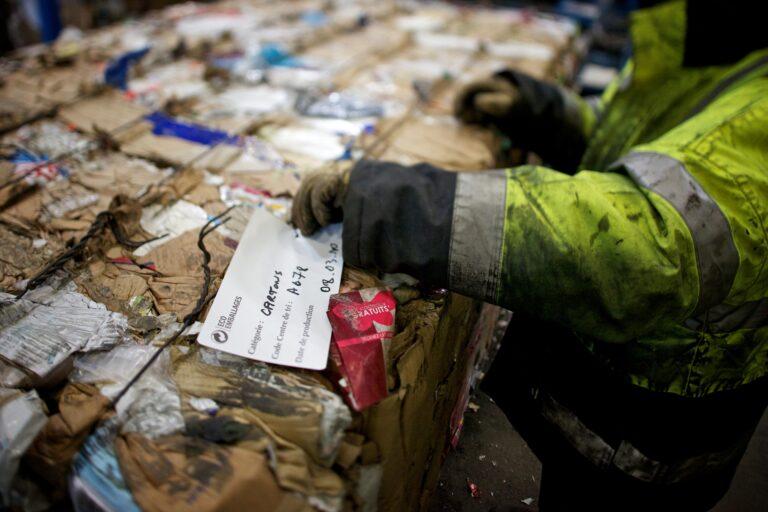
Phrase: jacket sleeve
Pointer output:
(550, 120)
(677, 232)
(592, 251)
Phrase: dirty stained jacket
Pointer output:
(654, 251)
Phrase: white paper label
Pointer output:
(272, 303)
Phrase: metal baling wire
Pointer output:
(207, 229)
(103, 219)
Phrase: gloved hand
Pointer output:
(318, 201)
(488, 101)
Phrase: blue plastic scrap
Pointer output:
(275, 55)
(98, 471)
(163, 124)
(26, 160)
(116, 72)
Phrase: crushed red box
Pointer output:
(363, 323)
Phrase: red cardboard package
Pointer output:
(363, 323)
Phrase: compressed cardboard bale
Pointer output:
(62, 84)
(408, 77)
(239, 108)
(178, 83)
(217, 159)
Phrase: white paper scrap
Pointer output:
(272, 303)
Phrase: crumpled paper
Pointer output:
(40, 331)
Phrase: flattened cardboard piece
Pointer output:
(118, 174)
(51, 454)
(410, 426)
(294, 407)
(445, 144)
(107, 111)
(160, 148)
(218, 158)
(114, 285)
(176, 294)
(181, 256)
(203, 194)
(166, 475)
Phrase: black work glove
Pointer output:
(488, 102)
(319, 199)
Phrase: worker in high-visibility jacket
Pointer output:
(637, 271)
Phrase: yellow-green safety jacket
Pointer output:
(655, 252)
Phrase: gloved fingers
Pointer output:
(495, 105)
(301, 210)
(465, 107)
(323, 197)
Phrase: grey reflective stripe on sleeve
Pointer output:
(629, 458)
(474, 264)
(726, 318)
(590, 445)
(716, 254)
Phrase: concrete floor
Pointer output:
(494, 457)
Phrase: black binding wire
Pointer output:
(105, 219)
(190, 318)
